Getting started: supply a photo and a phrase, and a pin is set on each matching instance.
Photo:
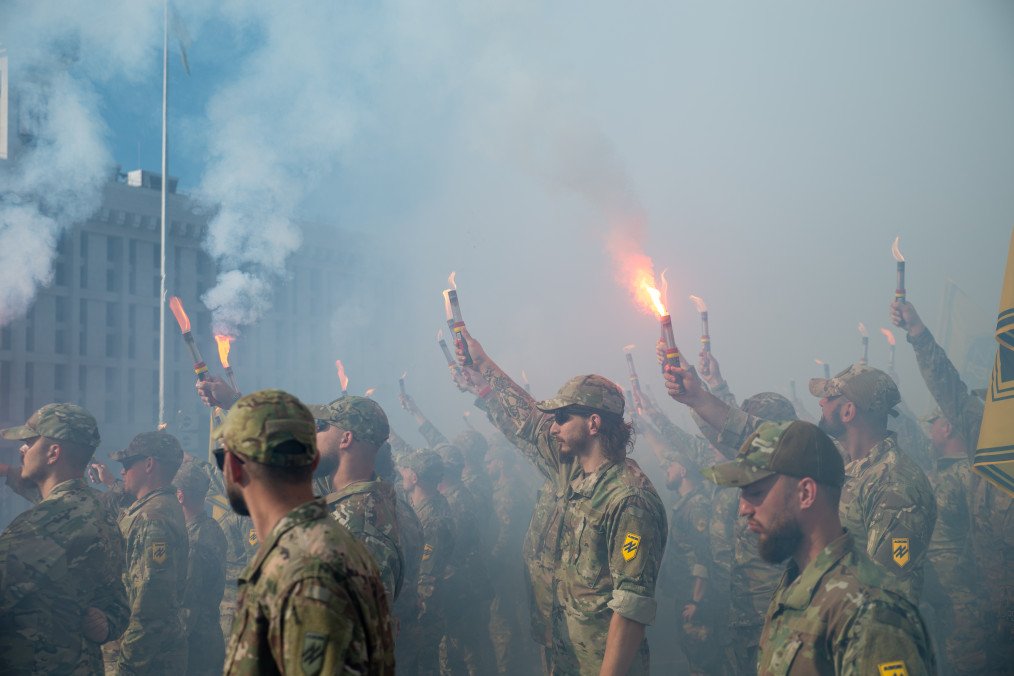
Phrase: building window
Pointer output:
(30, 336)
(112, 315)
(60, 377)
(155, 314)
(29, 390)
(112, 280)
(82, 343)
(82, 380)
(60, 275)
(110, 380)
(131, 346)
(156, 285)
(112, 344)
(84, 276)
(5, 339)
(61, 308)
(5, 387)
(83, 246)
(83, 312)
(132, 252)
(60, 341)
(110, 410)
(114, 249)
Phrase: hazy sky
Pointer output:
(771, 150)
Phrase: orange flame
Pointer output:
(629, 348)
(524, 376)
(176, 305)
(699, 303)
(819, 362)
(889, 335)
(450, 280)
(896, 252)
(862, 330)
(342, 378)
(224, 343)
(656, 299)
(369, 392)
(447, 305)
(403, 375)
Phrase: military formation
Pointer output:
(316, 540)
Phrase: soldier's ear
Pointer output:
(847, 412)
(53, 452)
(594, 423)
(806, 491)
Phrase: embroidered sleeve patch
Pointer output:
(892, 669)
(251, 537)
(159, 552)
(900, 551)
(311, 656)
(630, 545)
(427, 552)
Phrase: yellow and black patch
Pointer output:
(892, 669)
(311, 655)
(251, 537)
(900, 551)
(427, 552)
(630, 546)
(159, 552)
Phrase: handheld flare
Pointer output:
(702, 309)
(342, 378)
(200, 368)
(827, 367)
(401, 383)
(890, 342)
(866, 343)
(524, 378)
(899, 292)
(446, 350)
(635, 383)
(454, 321)
(224, 346)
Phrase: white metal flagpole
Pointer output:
(165, 179)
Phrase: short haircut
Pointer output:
(77, 455)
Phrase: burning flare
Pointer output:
(403, 375)
(655, 296)
(440, 335)
(890, 336)
(896, 252)
(447, 306)
(369, 392)
(627, 349)
(524, 376)
(862, 330)
(176, 305)
(699, 303)
(450, 281)
(342, 378)
(819, 362)
(224, 344)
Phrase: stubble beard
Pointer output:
(236, 500)
(781, 540)
(834, 428)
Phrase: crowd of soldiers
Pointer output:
(319, 541)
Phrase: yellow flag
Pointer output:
(994, 456)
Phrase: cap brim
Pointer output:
(550, 405)
(736, 473)
(20, 432)
(319, 411)
(121, 455)
(823, 387)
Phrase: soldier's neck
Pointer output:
(815, 539)
(268, 506)
(592, 457)
(56, 477)
(859, 441)
(351, 469)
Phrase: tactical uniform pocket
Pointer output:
(592, 556)
(783, 656)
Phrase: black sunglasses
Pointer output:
(322, 425)
(131, 461)
(220, 459)
(565, 414)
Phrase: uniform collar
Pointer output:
(313, 510)
(66, 487)
(949, 461)
(585, 484)
(355, 488)
(876, 454)
(164, 490)
(684, 499)
(798, 587)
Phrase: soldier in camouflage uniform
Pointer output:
(992, 510)
(833, 611)
(614, 529)
(350, 431)
(887, 503)
(311, 601)
(157, 555)
(205, 574)
(421, 473)
(61, 590)
(467, 643)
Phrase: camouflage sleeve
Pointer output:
(912, 439)
(152, 579)
(399, 447)
(723, 392)
(315, 631)
(503, 507)
(884, 638)
(438, 548)
(961, 408)
(205, 572)
(27, 553)
(898, 531)
(433, 436)
(682, 442)
(698, 537)
(110, 595)
(26, 489)
(738, 426)
(388, 559)
(637, 535)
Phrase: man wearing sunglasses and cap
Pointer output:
(613, 529)
(61, 588)
(155, 531)
(833, 611)
(311, 600)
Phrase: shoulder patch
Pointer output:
(900, 552)
(159, 552)
(892, 669)
(630, 546)
(311, 655)
(427, 552)
(251, 538)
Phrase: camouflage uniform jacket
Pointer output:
(369, 510)
(435, 570)
(950, 549)
(836, 617)
(205, 577)
(58, 558)
(469, 543)
(157, 549)
(613, 537)
(241, 541)
(887, 504)
(689, 552)
(410, 539)
(695, 450)
(311, 602)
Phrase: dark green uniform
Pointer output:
(203, 598)
(435, 578)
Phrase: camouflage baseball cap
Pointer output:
(770, 406)
(868, 388)
(794, 448)
(63, 422)
(261, 422)
(192, 479)
(591, 391)
(471, 444)
(360, 415)
(159, 445)
(451, 455)
(427, 465)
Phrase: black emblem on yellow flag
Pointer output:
(311, 656)
(630, 545)
(892, 669)
(251, 537)
(159, 552)
(900, 551)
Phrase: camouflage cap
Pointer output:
(261, 422)
(471, 443)
(794, 448)
(770, 406)
(590, 391)
(451, 455)
(427, 465)
(192, 479)
(63, 422)
(868, 388)
(159, 445)
(360, 415)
